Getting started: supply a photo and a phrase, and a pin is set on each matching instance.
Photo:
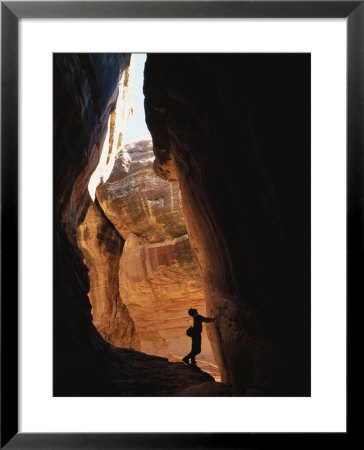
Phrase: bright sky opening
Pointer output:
(137, 128)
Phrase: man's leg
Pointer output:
(196, 349)
(187, 357)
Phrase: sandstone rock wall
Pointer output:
(158, 276)
(99, 241)
(137, 201)
(234, 131)
(102, 246)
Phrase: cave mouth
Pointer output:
(142, 271)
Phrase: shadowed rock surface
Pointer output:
(135, 374)
(234, 132)
(208, 390)
(85, 92)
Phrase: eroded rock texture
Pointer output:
(234, 131)
(137, 201)
(102, 246)
(158, 276)
(99, 241)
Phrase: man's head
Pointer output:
(192, 312)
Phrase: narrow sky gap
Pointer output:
(137, 127)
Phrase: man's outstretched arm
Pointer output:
(208, 319)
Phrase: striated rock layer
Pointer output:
(138, 202)
(235, 134)
(158, 276)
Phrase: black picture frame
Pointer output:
(11, 12)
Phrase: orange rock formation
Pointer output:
(153, 276)
(101, 246)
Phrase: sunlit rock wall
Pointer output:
(99, 241)
(158, 276)
(101, 246)
(119, 119)
(138, 202)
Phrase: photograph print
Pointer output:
(181, 224)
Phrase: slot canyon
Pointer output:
(136, 230)
(212, 212)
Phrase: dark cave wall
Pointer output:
(84, 95)
(235, 131)
(85, 91)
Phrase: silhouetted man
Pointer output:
(195, 334)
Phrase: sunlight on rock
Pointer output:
(116, 129)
